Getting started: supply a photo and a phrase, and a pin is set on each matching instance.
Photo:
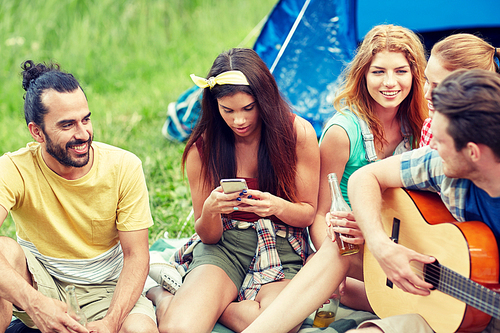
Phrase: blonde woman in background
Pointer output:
(459, 51)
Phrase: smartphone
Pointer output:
(233, 185)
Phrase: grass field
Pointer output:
(132, 57)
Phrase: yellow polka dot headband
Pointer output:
(229, 77)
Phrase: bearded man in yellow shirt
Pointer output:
(82, 214)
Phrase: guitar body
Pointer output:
(468, 248)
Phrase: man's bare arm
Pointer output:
(48, 314)
(135, 248)
(365, 190)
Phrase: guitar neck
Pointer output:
(463, 289)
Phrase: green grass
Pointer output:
(132, 58)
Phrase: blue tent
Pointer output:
(306, 44)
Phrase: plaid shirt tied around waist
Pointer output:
(266, 265)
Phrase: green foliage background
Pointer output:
(132, 58)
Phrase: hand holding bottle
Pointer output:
(345, 224)
(74, 309)
(339, 205)
(50, 315)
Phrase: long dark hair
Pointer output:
(277, 156)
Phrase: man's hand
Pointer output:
(49, 315)
(101, 326)
(395, 261)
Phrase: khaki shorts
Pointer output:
(235, 251)
(414, 323)
(408, 323)
(94, 299)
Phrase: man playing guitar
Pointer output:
(462, 164)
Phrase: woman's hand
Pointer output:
(219, 202)
(337, 293)
(209, 224)
(260, 203)
(345, 224)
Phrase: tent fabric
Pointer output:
(309, 64)
(427, 15)
(276, 29)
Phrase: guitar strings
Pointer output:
(483, 303)
(448, 283)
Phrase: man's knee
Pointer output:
(138, 323)
(13, 253)
(7, 243)
(176, 328)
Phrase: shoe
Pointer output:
(166, 275)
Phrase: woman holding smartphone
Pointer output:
(381, 110)
(249, 244)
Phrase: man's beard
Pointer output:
(63, 156)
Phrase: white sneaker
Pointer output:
(166, 275)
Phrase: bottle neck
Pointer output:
(338, 202)
(71, 299)
(334, 187)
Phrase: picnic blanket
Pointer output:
(347, 318)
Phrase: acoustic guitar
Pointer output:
(465, 274)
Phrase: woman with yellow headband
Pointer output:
(248, 244)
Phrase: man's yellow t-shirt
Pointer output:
(72, 225)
